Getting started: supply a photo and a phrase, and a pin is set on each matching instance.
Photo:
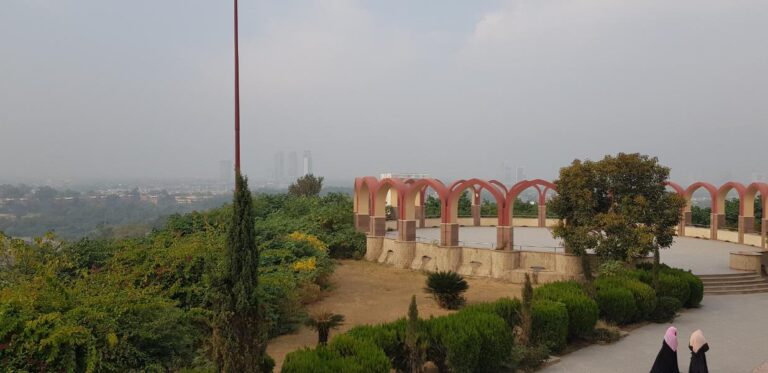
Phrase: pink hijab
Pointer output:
(671, 338)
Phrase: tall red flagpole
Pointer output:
(237, 99)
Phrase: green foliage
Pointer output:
(390, 337)
(415, 340)
(644, 296)
(666, 308)
(617, 304)
(470, 342)
(157, 294)
(506, 308)
(306, 186)
(582, 310)
(529, 358)
(550, 325)
(617, 206)
(447, 287)
(323, 322)
(675, 286)
(610, 268)
(343, 354)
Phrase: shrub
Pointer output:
(617, 304)
(447, 287)
(473, 341)
(605, 333)
(550, 324)
(343, 354)
(611, 268)
(506, 308)
(666, 308)
(644, 295)
(695, 285)
(529, 358)
(390, 337)
(671, 285)
(582, 311)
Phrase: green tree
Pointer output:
(618, 206)
(432, 207)
(239, 340)
(306, 186)
(414, 340)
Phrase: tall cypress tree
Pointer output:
(238, 339)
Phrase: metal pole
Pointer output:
(237, 98)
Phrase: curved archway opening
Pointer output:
(458, 199)
(754, 220)
(701, 210)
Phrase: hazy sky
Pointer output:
(143, 88)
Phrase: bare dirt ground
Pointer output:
(370, 293)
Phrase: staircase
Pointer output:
(734, 283)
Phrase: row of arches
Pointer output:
(406, 200)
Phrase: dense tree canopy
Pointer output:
(618, 207)
(306, 186)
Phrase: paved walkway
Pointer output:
(699, 255)
(735, 327)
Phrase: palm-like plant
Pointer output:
(447, 287)
(323, 322)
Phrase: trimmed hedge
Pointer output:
(666, 309)
(617, 304)
(506, 308)
(470, 341)
(343, 354)
(550, 324)
(644, 295)
(582, 310)
(673, 285)
(390, 337)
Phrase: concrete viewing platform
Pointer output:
(701, 256)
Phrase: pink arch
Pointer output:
(709, 187)
(722, 193)
(457, 188)
(421, 184)
(398, 185)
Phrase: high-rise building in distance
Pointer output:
(307, 162)
(279, 167)
(293, 165)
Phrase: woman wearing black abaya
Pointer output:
(666, 360)
(698, 346)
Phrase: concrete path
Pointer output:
(699, 255)
(735, 326)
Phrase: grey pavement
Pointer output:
(735, 327)
(699, 255)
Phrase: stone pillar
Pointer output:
(542, 215)
(504, 238)
(688, 218)
(419, 211)
(449, 234)
(476, 215)
(748, 222)
(362, 223)
(378, 226)
(741, 229)
(406, 230)
(764, 233)
(721, 220)
(681, 227)
(713, 224)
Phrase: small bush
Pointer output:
(473, 341)
(582, 310)
(695, 285)
(671, 285)
(550, 324)
(529, 358)
(343, 354)
(605, 333)
(389, 337)
(617, 304)
(447, 287)
(644, 295)
(666, 309)
(506, 308)
(611, 268)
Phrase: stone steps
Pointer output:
(734, 283)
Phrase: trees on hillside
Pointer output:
(617, 207)
(306, 186)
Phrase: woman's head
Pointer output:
(697, 340)
(670, 338)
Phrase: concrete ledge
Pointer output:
(746, 261)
